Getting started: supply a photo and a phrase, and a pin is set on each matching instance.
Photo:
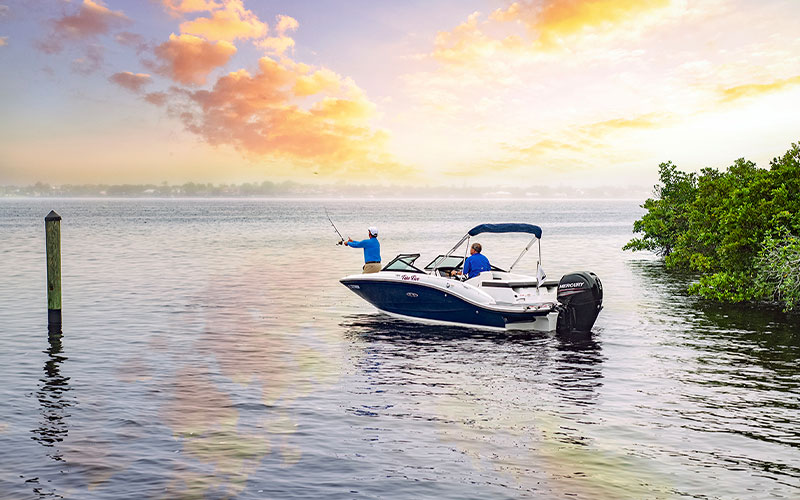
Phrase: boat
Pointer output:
(497, 299)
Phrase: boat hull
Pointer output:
(430, 303)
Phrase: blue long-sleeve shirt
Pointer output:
(475, 265)
(372, 249)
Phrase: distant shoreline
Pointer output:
(303, 198)
(294, 191)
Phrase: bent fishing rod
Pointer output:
(341, 238)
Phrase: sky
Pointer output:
(439, 92)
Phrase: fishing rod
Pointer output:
(341, 238)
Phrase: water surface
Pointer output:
(210, 352)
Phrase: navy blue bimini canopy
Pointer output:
(506, 228)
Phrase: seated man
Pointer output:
(475, 264)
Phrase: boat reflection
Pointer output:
(578, 360)
(520, 404)
(569, 362)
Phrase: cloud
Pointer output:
(133, 40)
(186, 6)
(574, 148)
(4, 10)
(90, 62)
(156, 98)
(646, 121)
(278, 45)
(320, 81)
(754, 89)
(467, 43)
(549, 25)
(231, 22)
(3, 41)
(189, 59)
(131, 81)
(555, 20)
(285, 24)
(91, 19)
(289, 111)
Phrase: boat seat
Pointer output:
(479, 279)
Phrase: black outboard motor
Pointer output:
(581, 297)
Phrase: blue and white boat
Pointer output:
(496, 299)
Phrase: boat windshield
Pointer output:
(445, 263)
(404, 262)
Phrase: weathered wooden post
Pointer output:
(52, 229)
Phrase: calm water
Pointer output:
(210, 352)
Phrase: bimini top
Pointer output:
(512, 227)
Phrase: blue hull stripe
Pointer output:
(430, 303)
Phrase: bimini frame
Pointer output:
(511, 227)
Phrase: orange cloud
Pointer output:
(92, 19)
(131, 81)
(584, 139)
(573, 148)
(189, 59)
(549, 24)
(3, 41)
(650, 120)
(754, 89)
(557, 19)
(467, 42)
(278, 45)
(231, 22)
(320, 81)
(186, 6)
(286, 23)
(262, 115)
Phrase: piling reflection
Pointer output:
(54, 404)
(54, 401)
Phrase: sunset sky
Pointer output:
(450, 92)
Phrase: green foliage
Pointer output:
(724, 286)
(778, 270)
(734, 228)
(666, 213)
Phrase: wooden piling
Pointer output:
(52, 229)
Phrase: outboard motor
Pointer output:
(581, 297)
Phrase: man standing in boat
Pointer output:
(372, 250)
(475, 264)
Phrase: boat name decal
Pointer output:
(572, 285)
(407, 277)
